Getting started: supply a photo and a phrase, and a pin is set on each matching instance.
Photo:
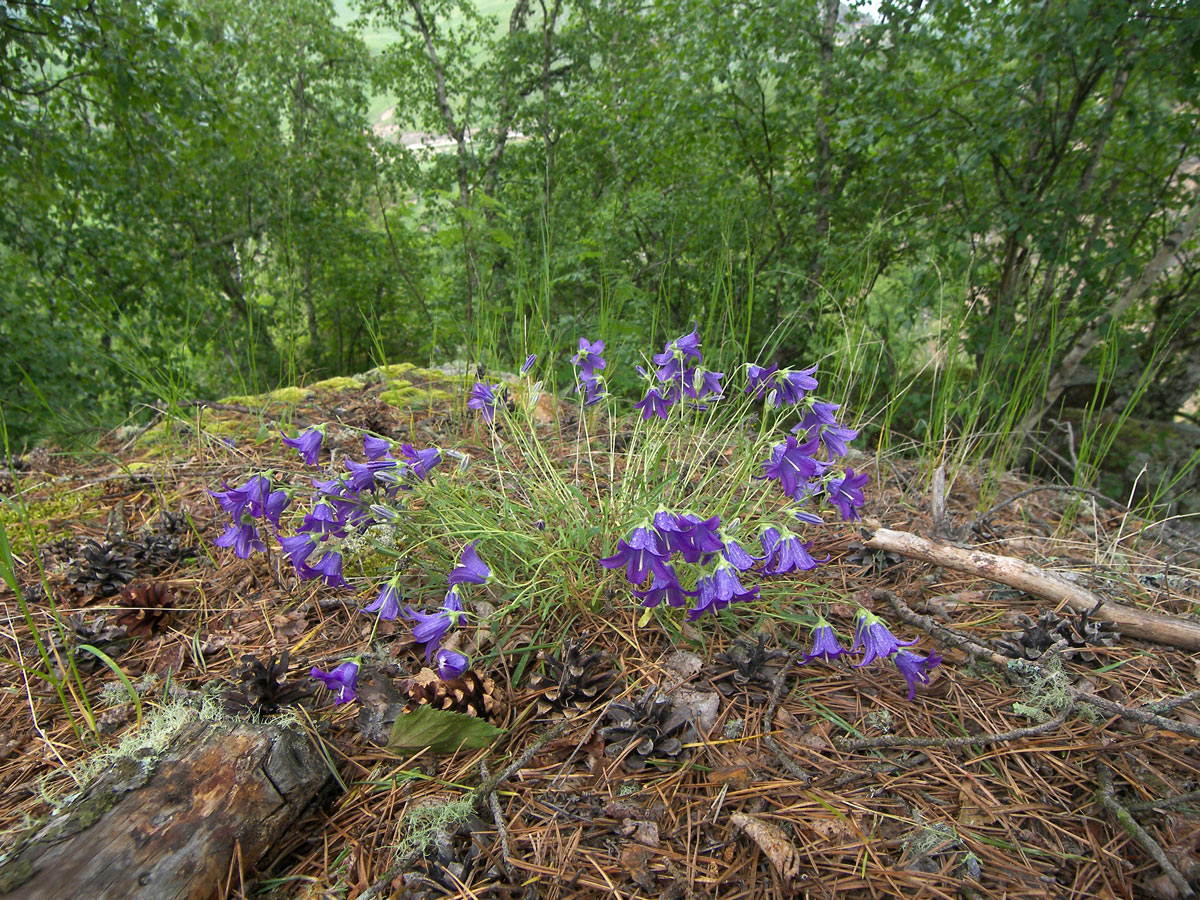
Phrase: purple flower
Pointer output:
(915, 668)
(243, 538)
(665, 586)
(470, 569)
(718, 590)
(299, 548)
(825, 643)
(420, 462)
(653, 404)
(483, 398)
(330, 569)
(343, 679)
(846, 494)
(309, 445)
(785, 552)
(592, 390)
(736, 555)
(387, 604)
(793, 464)
(791, 386)
(529, 361)
(678, 350)
(375, 447)
(589, 359)
(450, 664)
(641, 555)
(871, 634)
(760, 379)
(364, 475)
(807, 517)
(276, 503)
(432, 627)
(697, 538)
(323, 520)
(699, 382)
(252, 496)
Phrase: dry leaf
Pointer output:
(683, 665)
(289, 624)
(833, 830)
(636, 858)
(703, 706)
(773, 843)
(737, 777)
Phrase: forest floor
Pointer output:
(994, 781)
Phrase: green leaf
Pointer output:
(440, 731)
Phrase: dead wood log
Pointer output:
(1137, 623)
(170, 828)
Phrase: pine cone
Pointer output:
(105, 568)
(1078, 631)
(261, 689)
(651, 727)
(748, 667)
(874, 562)
(149, 609)
(472, 693)
(572, 681)
(111, 640)
(168, 542)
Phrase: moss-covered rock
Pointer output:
(338, 384)
(49, 517)
(415, 396)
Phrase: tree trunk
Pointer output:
(176, 828)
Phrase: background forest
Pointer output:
(970, 214)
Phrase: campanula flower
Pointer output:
(719, 589)
(915, 668)
(251, 497)
(330, 569)
(387, 604)
(483, 398)
(873, 636)
(791, 386)
(450, 664)
(642, 554)
(592, 390)
(736, 555)
(309, 445)
(375, 447)
(846, 494)
(785, 552)
(420, 462)
(343, 680)
(529, 361)
(760, 379)
(363, 476)
(470, 569)
(432, 627)
(825, 644)
(653, 404)
(792, 464)
(242, 537)
(673, 360)
(589, 359)
(698, 538)
(665, 586)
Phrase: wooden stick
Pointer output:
(1017, 573)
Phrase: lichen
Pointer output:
(48, 516)
(338, 383)
(414, 396)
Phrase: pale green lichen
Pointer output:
(423, 823)
(413, 396)
(289, 395)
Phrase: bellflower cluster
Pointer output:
(679, 373)
(875, 639)
(780, 386)
(246, 505)
(590, 362)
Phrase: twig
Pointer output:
(498, 818)
(1165, 802)
(1142, 716)
(1107, 798)
(1165, 706)
(776, 695)
(947, 636)
(1017, 573)
(895, 740)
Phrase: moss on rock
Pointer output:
(338, 383)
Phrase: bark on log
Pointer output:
(169, 829)
(1137, 623)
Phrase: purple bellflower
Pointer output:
(793, 464)
(387, 604)
(846, 494)
(420, 462)
(309, 445)
(592, 390)
(915, 668)
(329, 568)
(250, 496)
(675, 356)
(642, 554)
(483, 398)
(698, 538)
(364, 475)
(470, 569)
(432, 627)
(736, 555)
(343, 680)
(825, 643)
(653, 404)
(375, 447)
(589, 359)
(760, 379)
(718, 590)
(242, 537)
(665, 587)
(785, 552)
(529, 361)
(873, 636)
(791, 386)
(450, 664)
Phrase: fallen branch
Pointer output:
(969, 740)
(1017, 573)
